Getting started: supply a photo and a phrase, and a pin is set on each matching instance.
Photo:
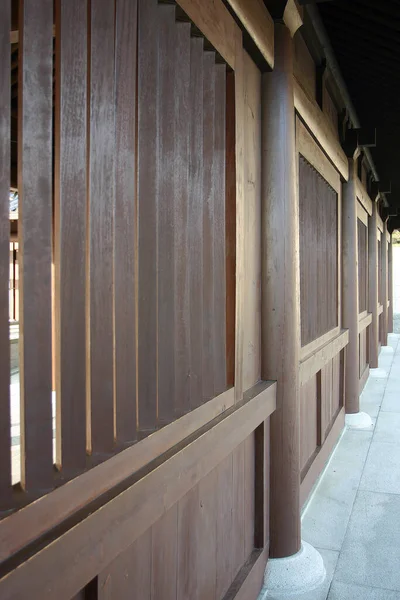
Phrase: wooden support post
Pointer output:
(373, 287)
(350, 287)
(390, 286)
(384, 285)
(281, 294)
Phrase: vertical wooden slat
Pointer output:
(187, 545)
(165, 556)
(124, 225)
(195, 222)
(35, 224)
(6, 257)
(219, 273)
(101, 225)
(70, 233)
(206, 532)
(181, 257)
(238, 509)
(147, 213)
(167, 166)
(225, 531)
(208, 227)
(249, 497)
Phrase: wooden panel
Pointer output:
(206, 532)
(101, 216)
(5, 128)
(70, 234)
(304, 66)
(238, 507)
(380, 289)
(318, 359)
(252, 281)
(363, 197)
(308, 148)
(308, 421)
(219, 286)
(249, 495)
(35, 239)
(166, 194)
(164, 556)
(336, 385)
(362, 236)
(329, 108)
(326, 399)
(181, 279)
(124, 226)
(187, 548)
(208, 226)
(147, 213)
(224, 523)
(195, 221)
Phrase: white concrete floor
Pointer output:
(353, 516)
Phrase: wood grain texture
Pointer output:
(390, 285)
(147, 213)
(165, 556)
(70, 234)
(168, 164)
(35, 239)
(181, 241)
(320, 357)
(5, 128)
(101, 226)
(259, 24)
(206, 537)
(308, 422)
(195, 222)
(125, 221)
(238, 509)
(224, 526)
(384, 267)
(363, 197)
(362, 237)
(187, 548)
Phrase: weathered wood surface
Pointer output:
(362, 237)
(257, 21)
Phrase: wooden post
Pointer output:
(384, 285)
(281, 294)
(350, 287)
(373, 287)
(390, 286)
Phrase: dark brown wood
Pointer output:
(5, 128)
(238, 508)
(70, 179)
(35, 238)
(390, 285)
(208, 226)
(181, 187)
(195, 222)
(101, 225)
(373, 286)
(166, 226)
(125, 220)
(224, 526)
(165, 555)
(362, 236)
(219, 286)
(249, 495)
(206, 532)
(147, 213)
(249, 581)
(380, 288)
(260, 515)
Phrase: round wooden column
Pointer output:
(373, 286)
(384, 285)
(280, 294)
(390, 286)
(350, 288)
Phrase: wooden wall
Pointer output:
(362, 233)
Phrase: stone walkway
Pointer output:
(353, 516)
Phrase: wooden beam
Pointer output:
(364, 322)
(363, 196)
(314, 363)
(308, 147)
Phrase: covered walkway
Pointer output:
(353, 516)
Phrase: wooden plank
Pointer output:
(125, 221)
(206, 538)
(166, 341)
(35, 238)
(249, 581)
(108, 531)
(319, 358)
(5, 129)
(249, 495)
(165, 555)
(363, 197)
(259, 24)
(195, 221)
(215, 23)
(181, 250)
(238, 546)
(224, 524)
(147, 213)
(31, 522)
(320, 128)
(101, 226)
(70, 179)
(208, 226)
(187, 572)
(219, 285)
(364, 322)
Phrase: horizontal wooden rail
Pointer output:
(63, 567)
(308, 147)
(314, 363)
(363, 197)
(311, 348)
(364, 321)
(320, 127)
(33, 521)
(259, 24)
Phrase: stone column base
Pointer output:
(358, 420)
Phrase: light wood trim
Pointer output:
(317, 344)
(259, 24)
(364, 378)
(216, 24)
(135, 509)
(31, 522)
(293, 16)
(363, 197)
(380, 225)
(380, 309)
(321, 357)
(362, 214)
(308, 147)
(320, 127)
(321, 458)
(364, 320)
(379, 234)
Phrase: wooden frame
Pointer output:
(322, 356)
(364, 320)
(380, 226)
(258, 23)
(380, 309)
(364, 378)
(362, 214)
(363, 197)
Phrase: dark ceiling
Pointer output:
(365, 35)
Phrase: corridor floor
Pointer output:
(353, 516)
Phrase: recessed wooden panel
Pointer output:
(164, 556)
(362, 233)
(308, 421)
